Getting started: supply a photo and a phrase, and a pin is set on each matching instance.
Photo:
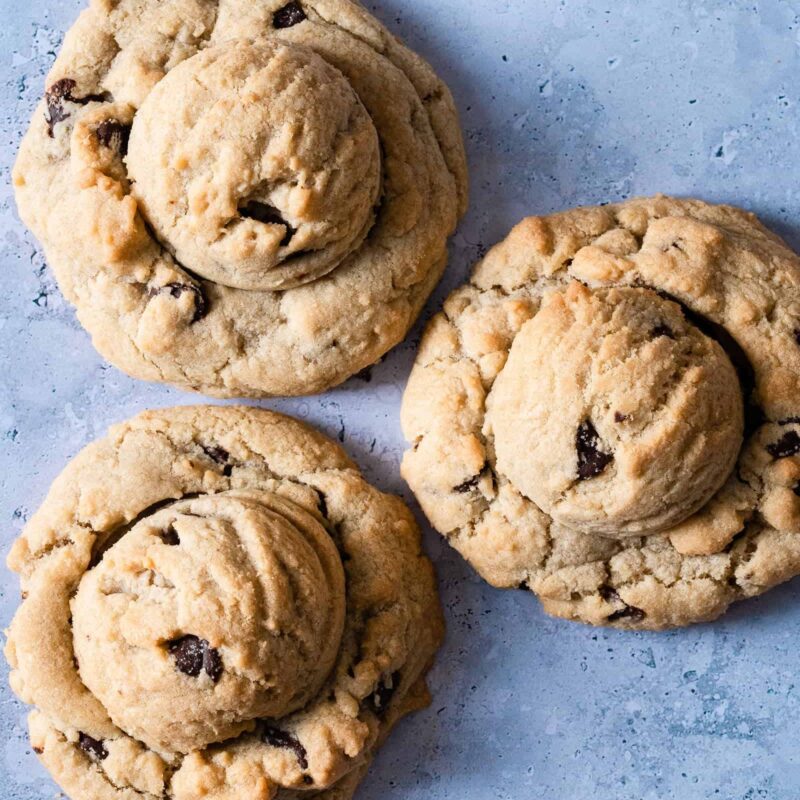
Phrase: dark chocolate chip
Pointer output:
(787, 445)
(114, 134)
(609, 594)
(212, 663)
(378, 701)
(289, 15)
(177, 289)
(796, 490)
(618, 417)
(170, 536)
(219, 455)
(194, 655)
(523, 586)
(92, 747)
(275, 737)
(269, 215)
(797, 335)
(38, 750)
(591, 459)
(662, 330)
(54, 99)
(308, 780)
(216, 453)
(629, 612)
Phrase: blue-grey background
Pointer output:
(563, 102)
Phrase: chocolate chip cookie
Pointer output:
(243, 199)
(216, 604)
(608, 413)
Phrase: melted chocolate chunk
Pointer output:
(177, 289)
(787, 445)
(609, 594)
(92, 747)
(291, 14)
(269, 215)
(114, 134)
(618, 417)
(38, 750)
(591, 459)
(275, 737)
(219, 455)
(170, 536)
(378, 701)
(194, 655)
(629, 612)
(54, 99)
(662, 330)
(216, 453)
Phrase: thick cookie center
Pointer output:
(614, 414)
(209, 614)
(256, 165)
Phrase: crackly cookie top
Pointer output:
(608, 413)
(269, 201)
(216, 603)
(613, 413)
(247, 580)
(214, 183)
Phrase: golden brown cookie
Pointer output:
(243, 198)
(216, 604)
(608, 413)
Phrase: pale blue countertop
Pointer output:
(563, 102)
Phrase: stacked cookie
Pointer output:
(216, 604)
(253, 199)
(215, 183)
(608, 413)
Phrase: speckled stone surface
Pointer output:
(563, 102)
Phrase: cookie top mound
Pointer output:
(614, 414)
(203, 612)
(243, 200)
(257, 575)
(608, 413)
(256, 164)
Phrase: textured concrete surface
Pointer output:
(563, 102)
